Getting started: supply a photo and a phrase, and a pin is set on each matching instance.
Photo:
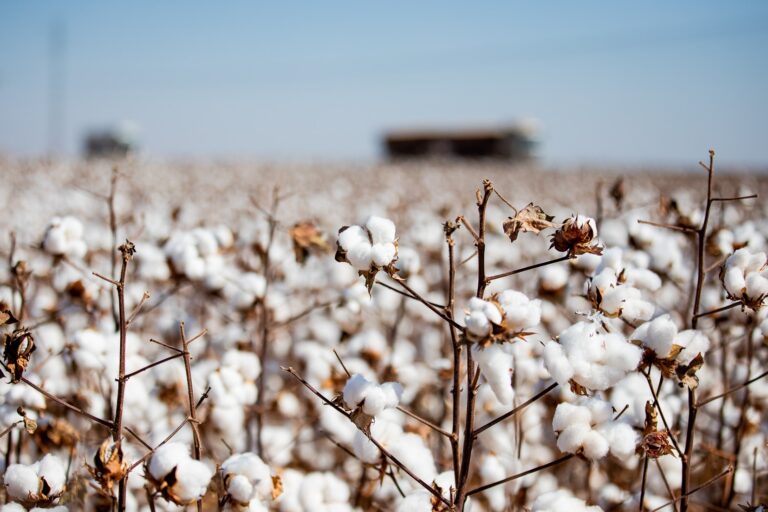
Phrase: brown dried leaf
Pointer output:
(687, 373)
(362, 420)
(30, 425)
(307, 239)
(531, 219)
(650, 419)
(277, 486)
(19, 345)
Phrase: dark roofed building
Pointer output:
(505, 143)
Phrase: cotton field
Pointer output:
(392, 338)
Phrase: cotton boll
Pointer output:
(167, 457)
(382, 230)
(643, 278)
(693, 343)
(621, 438)
(595, 445)
(658, 334)
(520, 312)
(383, 254)
(477, 324)
(567, 414)
(491, 311)
(14, 507)
(756, 285)
(355, 390)
(359, 255)
(21, 481)
(416, 501)
(496, 367)
(572, 438)
(393, 391)
(557, 364)
(375, 401)
(192, 478)
(352, 236)
(734, 281)
(240, 489)
(553, 278)
(52, 469)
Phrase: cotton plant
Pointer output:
(588, 356)
(178, 477)
(587, 427)
(666, 347)
(41, 483)
(745, 278)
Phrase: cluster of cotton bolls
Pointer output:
(610, 326)
(372, 245)
(591, 357)
(587, 427)
(745, 277)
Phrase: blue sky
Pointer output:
(651, 82)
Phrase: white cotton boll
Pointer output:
(359, 255)
(393, 391)
(352, 236)
(693, 343)
(192, 478)
(757, 285)
(383, 254)
(21, 481)
(382, 230)
(572, 438)
(556, 363)
(417, 501)
(755, 263)
(658, 334)
(521, 312)
(635, 310)
(612, 258)
(477, 324)
(621, 438)
(15, 507)
(496, 367)
(600, 411)
(52, 469)
(375, 401)
(356, 389)
(567, 414)
(240, 488)
(560, 500)
(604, 281)
(55, 241)
(595, 445)
(167, 457)
(206, 242)
(739, 259)
(553, 278)
(643, 278)
(734, 281)
(491, 311)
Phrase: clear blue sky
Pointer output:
(609, 82)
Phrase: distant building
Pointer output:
(512, 143)
(116, 142)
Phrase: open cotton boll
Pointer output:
(756, 285)
(52, 469)
(519, 311)
(21, 481)
(355, 390)
(658, 335)
(553, 277)
(417, 501)
(496, 367)
(693, 343)
(375, 401)
(734, 281)
(247, 477)
(352, 236)
(167, 457)
(560, 500)
(192, 478)
(383, 254)
(15, 507)
(393, 392)
(359, 255)
(477, 324)
(382, 230)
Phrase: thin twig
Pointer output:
(520, 475)
(526, 269)
(517, 409)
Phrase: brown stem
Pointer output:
(525, 269)
(191, 398)
(514, 411)
(456, 349)
(520, 475)
(126, 251)
(657, 405)
(718, 310)
(265, 323)
(424, 301)
(641, 505)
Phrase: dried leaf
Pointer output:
(30, 425)
(19, 345)
(650, 419)
(656, 444)
(531, 219)
(362, 421)
(307, 239)
(277, 486)
(687, 373)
